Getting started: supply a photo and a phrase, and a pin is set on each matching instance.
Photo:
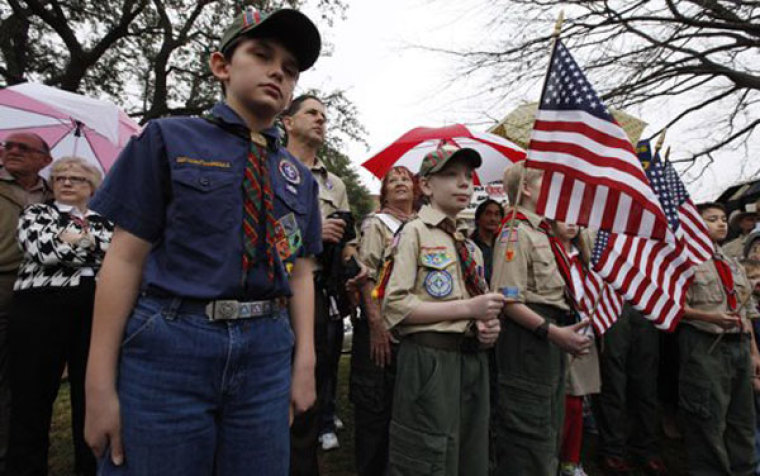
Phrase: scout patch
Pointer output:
(438, 257)
(505, 234)
(287, 236)
(438, 283)
(290, 188)
(510, 292)
(328, 184)
(289, 171)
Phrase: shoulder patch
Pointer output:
(289, 171)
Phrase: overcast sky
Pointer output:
(397, 87)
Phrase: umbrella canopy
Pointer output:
(71, 124)
(518, 124)
(409, 150)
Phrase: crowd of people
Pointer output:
(226, 258)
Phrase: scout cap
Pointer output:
(294, 29)
(436, 160)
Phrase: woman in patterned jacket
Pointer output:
(51, 315)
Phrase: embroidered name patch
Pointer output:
(219, 164)
(438, 283)
(438, 257)
(289, 171)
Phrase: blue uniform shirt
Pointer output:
(179, 185)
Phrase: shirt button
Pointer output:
(204, 181)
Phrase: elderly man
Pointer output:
(22, 156)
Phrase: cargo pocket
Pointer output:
(525, 408)
(695, 400)
(414, 452)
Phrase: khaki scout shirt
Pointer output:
(530, 274)
(332, 190)
(735, 247)
(706, 293)
(425, 269)
(375, 242)
(13, 199)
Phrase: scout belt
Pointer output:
(451, 341)
(228, 310)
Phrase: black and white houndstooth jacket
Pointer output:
(50, 262)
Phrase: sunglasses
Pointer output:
(23, 148)
(71, 178)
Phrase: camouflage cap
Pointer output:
(292, 28)
(436, 160)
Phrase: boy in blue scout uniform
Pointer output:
(437, 299)
(216, 227)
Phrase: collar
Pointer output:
(533, 220)
(432, 217)
(40, 186)
(224, 113)
(71, 210)
(319, 166)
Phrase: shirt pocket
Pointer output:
(546, 272)
(205, 199)
(706, 289)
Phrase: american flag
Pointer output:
(592, 176)
(653, 275)
(601, 303)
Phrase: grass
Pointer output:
(339, 462)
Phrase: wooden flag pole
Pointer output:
(720, 336)
(660, 142)
(509, 251)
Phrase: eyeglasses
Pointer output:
(23, 148)
(71, 178)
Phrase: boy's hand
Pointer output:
(488, 331)
(725, 321)
(102, 424)
(303, 392)
(486, 307)
(570, 338)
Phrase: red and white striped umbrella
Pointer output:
(409, 150)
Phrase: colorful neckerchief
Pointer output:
(473, 281)
(727, 280)
(258, 204)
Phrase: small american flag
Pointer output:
(592, 176)
(603, 304)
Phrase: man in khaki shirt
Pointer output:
(22, 157)
(529, 358)
(305, 123)
(718, 360)
(436, 298)
(743, 220)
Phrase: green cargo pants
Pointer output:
(716, 403)
(628, 406)
(530, 394)
(440, 413)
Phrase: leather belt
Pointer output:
(230, 310)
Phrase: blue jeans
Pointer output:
(200, 397)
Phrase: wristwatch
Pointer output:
(542, 331)
(84, 242)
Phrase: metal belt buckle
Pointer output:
(223, 310)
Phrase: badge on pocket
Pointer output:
(438, 283)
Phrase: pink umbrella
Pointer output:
(409, 150)
(71, 124)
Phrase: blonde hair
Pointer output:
(511, 182)
(93, 175)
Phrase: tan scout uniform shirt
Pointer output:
(531, 275)
(706, 293)
(332, 190)
(735, 247)
(375, 242)
(13, 199)
(425, 269)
